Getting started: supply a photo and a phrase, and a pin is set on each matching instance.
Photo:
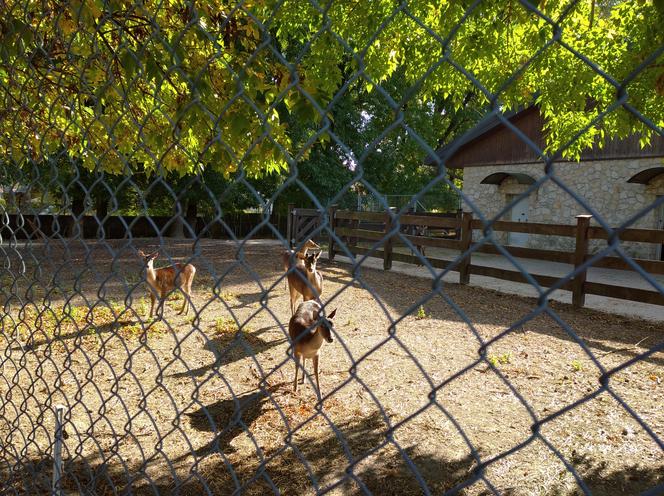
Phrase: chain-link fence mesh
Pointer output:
(136, 136)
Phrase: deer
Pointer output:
(164, 280)
(300, 255)
(307, 329)
(305, 280)
(297, 256)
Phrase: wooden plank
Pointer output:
(452, 244)
(358, 250)
(425, 220)
(360, 233)
(530, 228)
(516, 251)
(638, 235)
(517, 276)
(304, 227)
(307, 212)
(623, 293)
(401, 257)
(412, 259)
(651, 266)
(371, 216)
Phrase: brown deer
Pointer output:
(166, 279)
(300, 255)
(305, 280)
(307, 331)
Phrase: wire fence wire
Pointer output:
(201, 403)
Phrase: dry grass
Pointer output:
(205, 400)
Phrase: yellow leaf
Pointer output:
(66, 25)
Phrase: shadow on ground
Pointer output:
(231, 347)
(354, 458)
(399, 292)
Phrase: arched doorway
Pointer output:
(653, 179)
(513, 185)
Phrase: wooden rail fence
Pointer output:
(457, 234)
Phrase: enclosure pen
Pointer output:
(340, 247)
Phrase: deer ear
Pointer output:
(332, 314)
(317, 255)
(155, 254)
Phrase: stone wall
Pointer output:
(602, 184)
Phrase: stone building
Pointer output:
(618, 182)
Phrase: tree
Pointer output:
(178, 86)
(206, 194)
(391, 161)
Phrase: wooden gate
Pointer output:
(302, 222)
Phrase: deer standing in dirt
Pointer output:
(299, 257)
(164, 280)
(307, 331)
(305, 280)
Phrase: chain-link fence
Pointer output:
(147, 342)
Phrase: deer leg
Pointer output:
(188, 285)
(185, 304)
(152, 300)
(304, 370)
(316, 373)
(293, 297)
(297, 365)
(160, 305)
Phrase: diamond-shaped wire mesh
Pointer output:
(165, 167)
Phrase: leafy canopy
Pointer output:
(181, 86)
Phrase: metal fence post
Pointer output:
(332, 212)
(580, 253)
(466, 241)
(56, 485)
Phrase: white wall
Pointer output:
(602, 184)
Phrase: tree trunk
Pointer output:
(191, 216)
(101, 210)
(77, 210)
(176, 229)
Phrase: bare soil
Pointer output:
(447, 387)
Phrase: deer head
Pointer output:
(326, 326)
(149, 258)
(310, 261)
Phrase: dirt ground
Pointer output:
(421, 388)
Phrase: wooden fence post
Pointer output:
(387, 248)
(466, 241)
(332, 212)
(580, 253)
(459, 216)
(289, 225)
(354, 240)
